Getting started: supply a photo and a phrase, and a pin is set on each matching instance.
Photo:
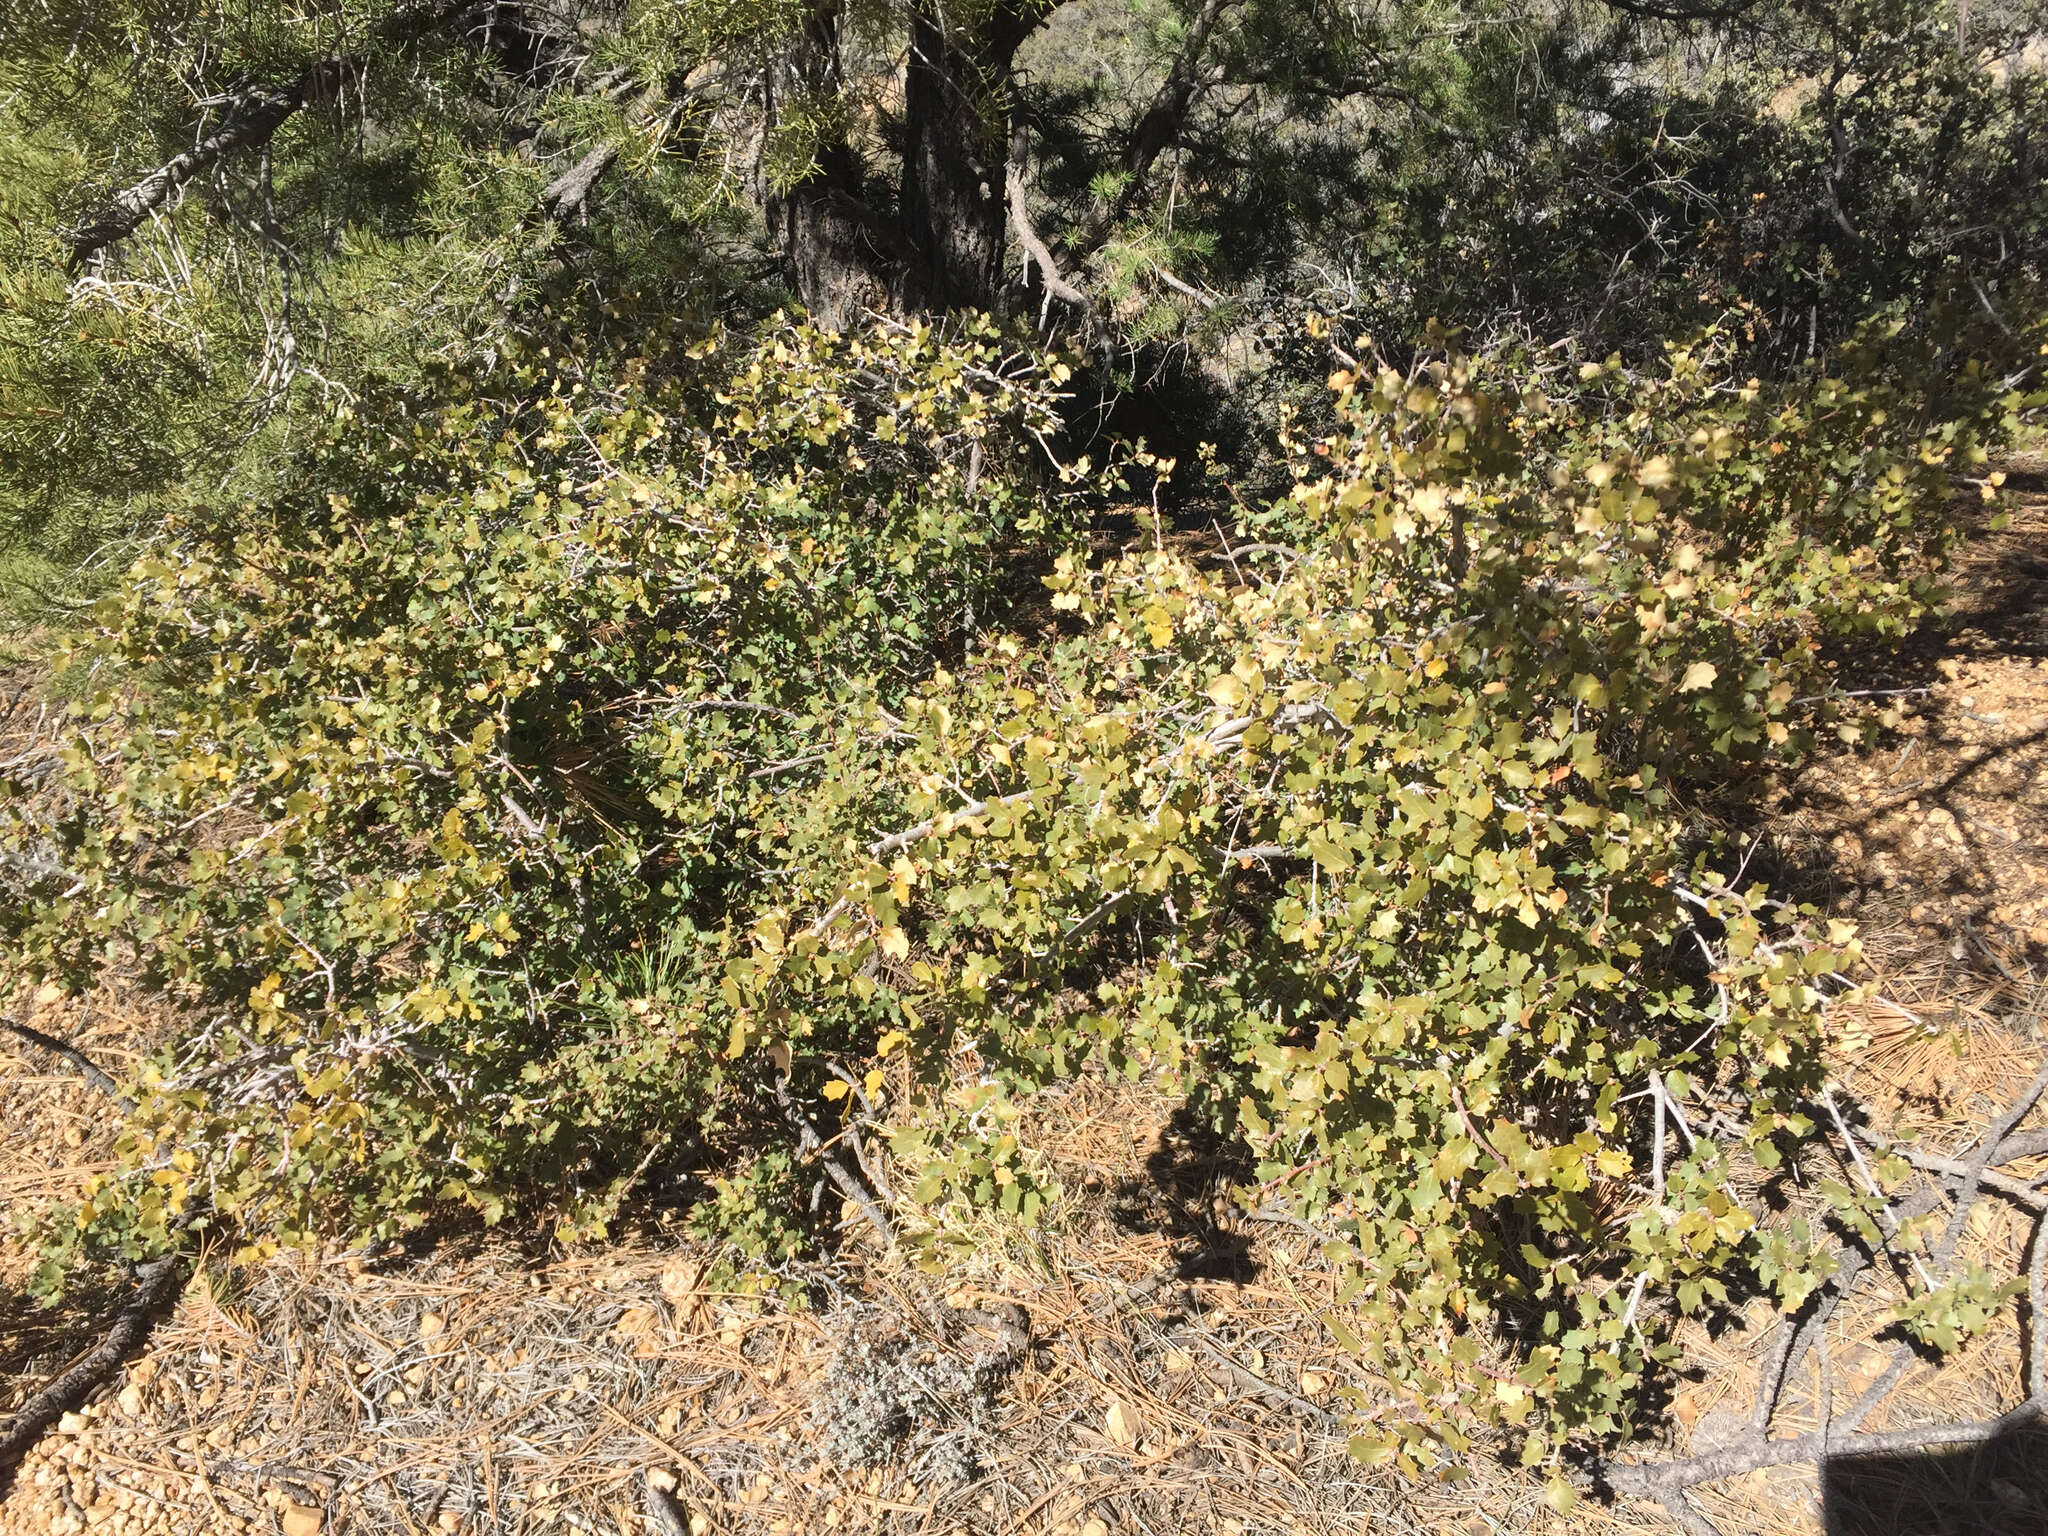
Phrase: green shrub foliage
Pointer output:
(564, 780)
(386, 782)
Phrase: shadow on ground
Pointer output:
(1935, 836)
(1186, 1196)
(1999, 1488)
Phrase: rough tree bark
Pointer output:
(842, 256)
(941, 246)
(955, 163)
(840, 253)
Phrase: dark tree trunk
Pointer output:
(941, 247)
(954, 159)
(843, 257)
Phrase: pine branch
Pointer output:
(1663, 1481)
(69, 1052)
(1680, 11)
(1667, 1482)
(1050, 277)
(1159, 126)
(1167, 113)
(254, 115)
(569, 192)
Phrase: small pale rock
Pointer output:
(432, 1325)
(298, 1520)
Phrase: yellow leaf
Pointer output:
(1700, 674)
(679, 1280)
(1371, 1451)
(1122, 1424)
(893, 942)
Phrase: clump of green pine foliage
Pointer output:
(597, 721)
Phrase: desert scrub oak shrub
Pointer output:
(394, 788)
(1371, 837)
(573, 777)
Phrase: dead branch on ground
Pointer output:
(1959, 1180)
